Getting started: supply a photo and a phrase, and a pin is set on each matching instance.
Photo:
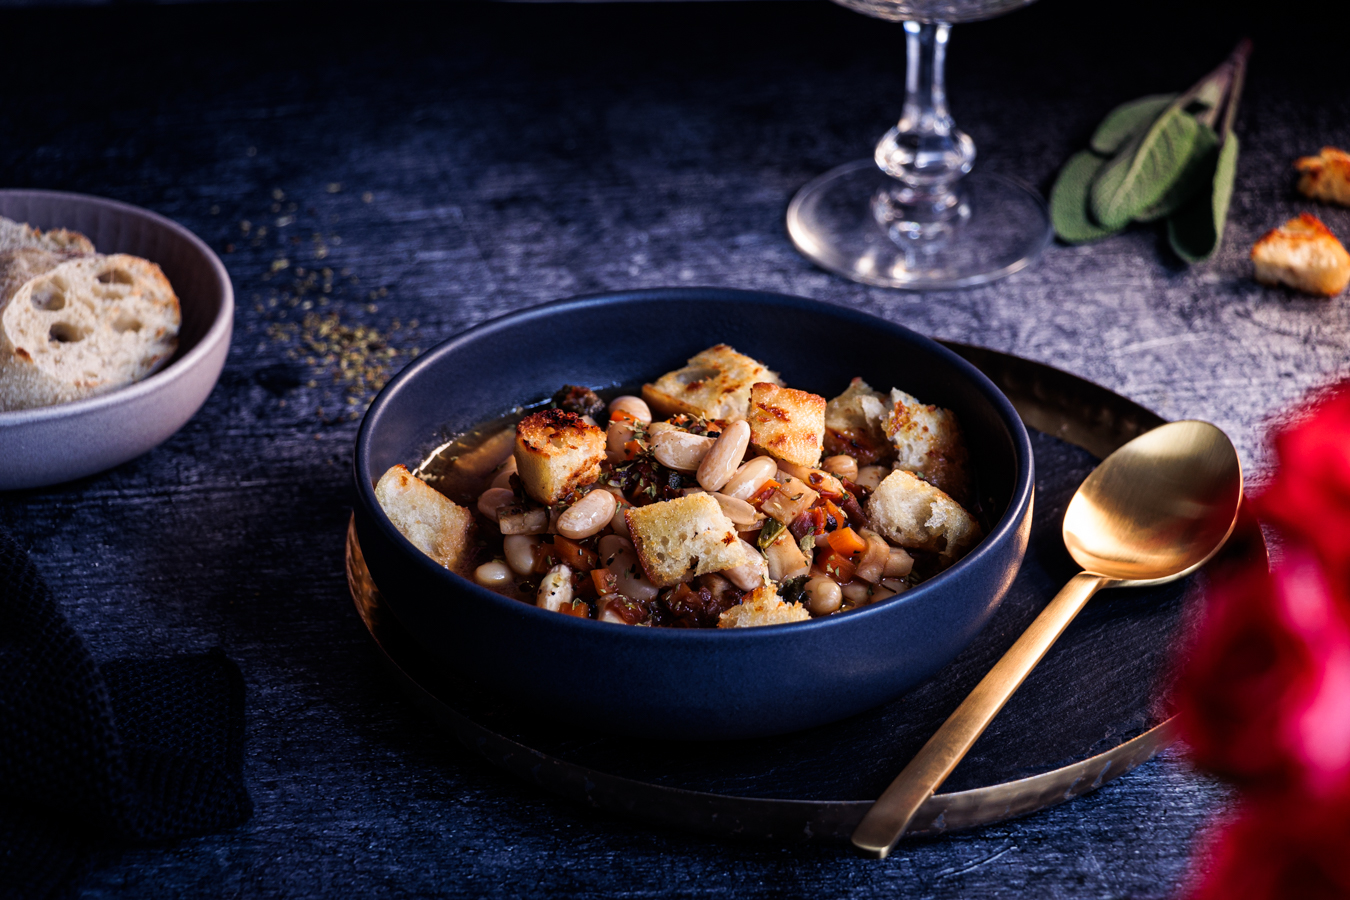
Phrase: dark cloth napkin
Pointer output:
(134, 750)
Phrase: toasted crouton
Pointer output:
(787, 424)
(715, 385)
(556, 453)
(928, 442)
(680, 538)
(1326, 176)
(855, 424)
(917, 516)
(762, 607)
(434, 523)
(1303, 254)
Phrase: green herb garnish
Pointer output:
(1162, 157)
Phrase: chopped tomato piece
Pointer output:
(764, 493)
(837, 567)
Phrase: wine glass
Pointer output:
(913, 216)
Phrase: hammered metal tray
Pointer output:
(1094, 709)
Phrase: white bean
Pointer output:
(587, 516)
(750, 477)
(659, 428)
(874, 558)
(492, 500)
(555, 589)
(493, 574)
(823, 596)
(741, 514)
(898, 564)
(750, 574)
(618, 555)
(634, 406)
(519, 552)
(871, 476)
(619, 523)
(725, 456)
(617, 435)
(680, 450)
(843, 466)
(857, 592)
(503, 479)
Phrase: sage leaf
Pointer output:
(1139, 175)
(1069, 200)
(1196, 230)
(1127, 121)
(1197, 175)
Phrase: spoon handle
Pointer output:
(888, 818)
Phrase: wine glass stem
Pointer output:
(925, 152)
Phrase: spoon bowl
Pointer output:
(1155, 510)
(1158, 508)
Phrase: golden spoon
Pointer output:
(1156, 509)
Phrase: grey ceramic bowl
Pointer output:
(52, 444)
(696, 683)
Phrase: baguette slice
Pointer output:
(71, 328)
(17, 235)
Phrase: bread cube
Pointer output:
(556, 453)
(787, 424)
(917, 516)
(855, 424)
(1326, 176)
(928, 442)
(678, 539)
(436, 525)
(715, 385)
(1303, 254)
(762, 607)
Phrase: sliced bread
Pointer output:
(75, 326)
(17, 235)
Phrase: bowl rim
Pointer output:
(220, 328)
(1019, 503)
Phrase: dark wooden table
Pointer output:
(420, 168)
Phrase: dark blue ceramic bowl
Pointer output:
(674, 683)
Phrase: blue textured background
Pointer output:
(486, 157)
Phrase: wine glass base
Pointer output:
(832, 224)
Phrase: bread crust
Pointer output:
(855, 424)
(556, 453)
(435, 524)
(715, 385)
(682, 538)
(787, 424)
(1303, 254)
(763, 606)
(914, 514)
(928, 442)
(1325, 176)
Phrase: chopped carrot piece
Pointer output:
(580, 609)
(631, 450)
(573, 554)
(605, 582)
(622, 415)
(846, 542)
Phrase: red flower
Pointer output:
(1309, 499)
(1265, 695)
(1256, 856)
